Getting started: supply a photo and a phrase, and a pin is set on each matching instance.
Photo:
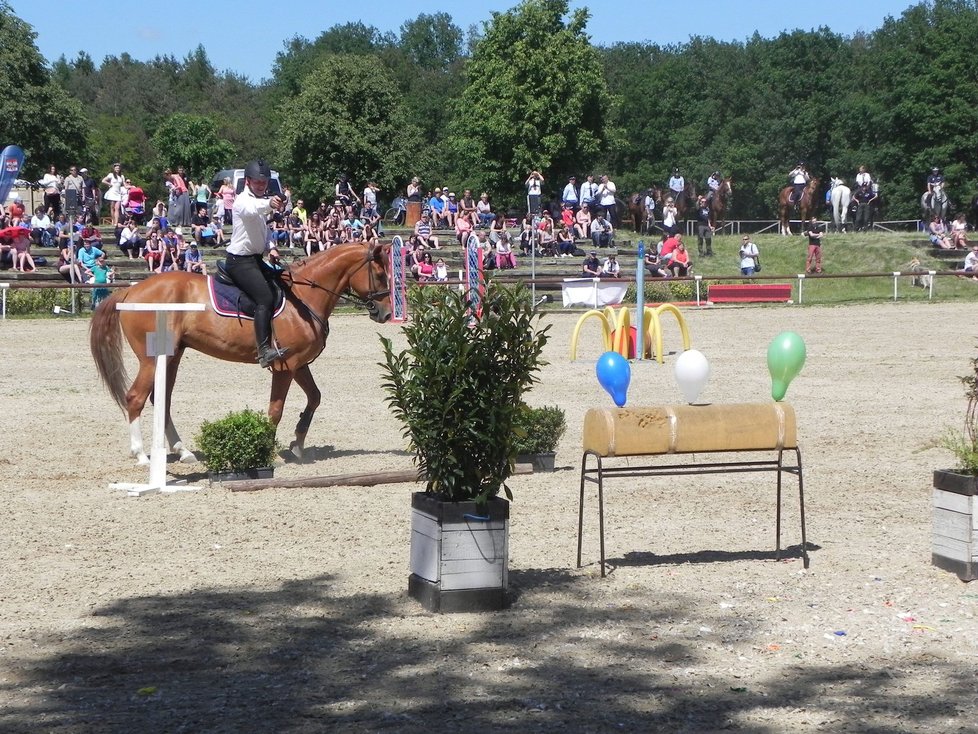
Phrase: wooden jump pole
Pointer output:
(367, 479)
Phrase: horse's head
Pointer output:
(371, 283)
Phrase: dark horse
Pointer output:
(687, 200)
(720, 202)
(314, 287)
(643, 218)
(809, 203)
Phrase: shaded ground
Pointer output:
(285, 610)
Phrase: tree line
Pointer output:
(479, 108)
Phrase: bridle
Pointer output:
(368, 302)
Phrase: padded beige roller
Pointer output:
(685, 429)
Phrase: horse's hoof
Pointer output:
(187, 457)
(142, 460)
(296, 449)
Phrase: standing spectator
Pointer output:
(534, 191)
(370, 195)
(114, 181)
(864, 197)
(414, 192)
(814, 232)
(591, 267)
(570, 196)
(52, 183)
(611, 268)
(606, 199)
(750, 257)
(704, 228)
(74, 191)
(90, 197)
(180, 212)
(202, 195)
(677, 184)
(101, 275)
(226, 193)
(345, 193)
(601, 232)
(670, 216)
(589, 193)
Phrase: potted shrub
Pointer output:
(240, 445)
(457, 389)
(955, 502)
(538, 430)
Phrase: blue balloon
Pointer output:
(614, 374)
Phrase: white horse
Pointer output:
(939, 205)
(840, 196)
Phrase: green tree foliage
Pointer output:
(431, 41)
(348, 119)
(36, 113)
(193, 142)
(534, 99)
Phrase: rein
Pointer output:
(348, 295)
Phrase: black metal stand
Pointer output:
(598, 474)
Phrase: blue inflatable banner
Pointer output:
(11, 161)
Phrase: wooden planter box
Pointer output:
(955, 531)
(540, 462)
(459, 554)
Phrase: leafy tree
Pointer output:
(534, 99)
(38, 115)
(431, 41)
(348, 119)
(191, 141)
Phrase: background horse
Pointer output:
(786, 207)
(935, 204)
(840, 197)
(314, 287)
(720, 202)
(642, 217)
(687, 200)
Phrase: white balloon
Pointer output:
(692, 372)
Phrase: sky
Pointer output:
(246, 41)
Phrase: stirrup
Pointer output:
(270, 355)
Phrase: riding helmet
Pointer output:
(258, 170)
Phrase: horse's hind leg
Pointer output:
(305, 380)
(135, 402)
(172, 437)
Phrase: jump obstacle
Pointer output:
(616, 331)
(159, 344)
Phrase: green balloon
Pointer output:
(785, 358)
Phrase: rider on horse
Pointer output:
(244, 263)
(713, 183)
(677, 184)
(935, 182)
(799, 178)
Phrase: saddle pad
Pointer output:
(229, 301)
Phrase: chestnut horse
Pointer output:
(807, 204)
(686, 201)
(643, 219)
(721, 202)
(313, 288)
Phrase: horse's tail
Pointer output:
(105, 338)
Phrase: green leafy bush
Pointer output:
(538, 430)
(34, 301)
(238, 442)
(458, 387)
(964, 444)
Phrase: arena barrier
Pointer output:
(689, 429)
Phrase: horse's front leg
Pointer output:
(172, 437)
(305, 380)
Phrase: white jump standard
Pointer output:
(159, 344)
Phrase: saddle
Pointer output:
(231, 302)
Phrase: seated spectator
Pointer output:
(668, 247)
(601, 232)
(497, 228)
(218, 230)
(484, 210)
(463, 228)
(153, 252)
(971, 263)
(436, 209)
(277, 231)
(368, 235)
(63, 230)
(332, 236)
(89, 232)
(426, 268)
(653, 264)
(959, 232)
(17, 243)
(192, 260)
(611, 268)
(527, 233)
(488, 251)
(422, 230)
(937, 234)
(87, 256)
(680, 264)
(67, 265)
(505, 258)
(441, 270)
(41, 227)
(591, 268)
(467, 207)
(545, 234)
(129, 240)
(582, 223)
(451, 210)
(565, 243)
